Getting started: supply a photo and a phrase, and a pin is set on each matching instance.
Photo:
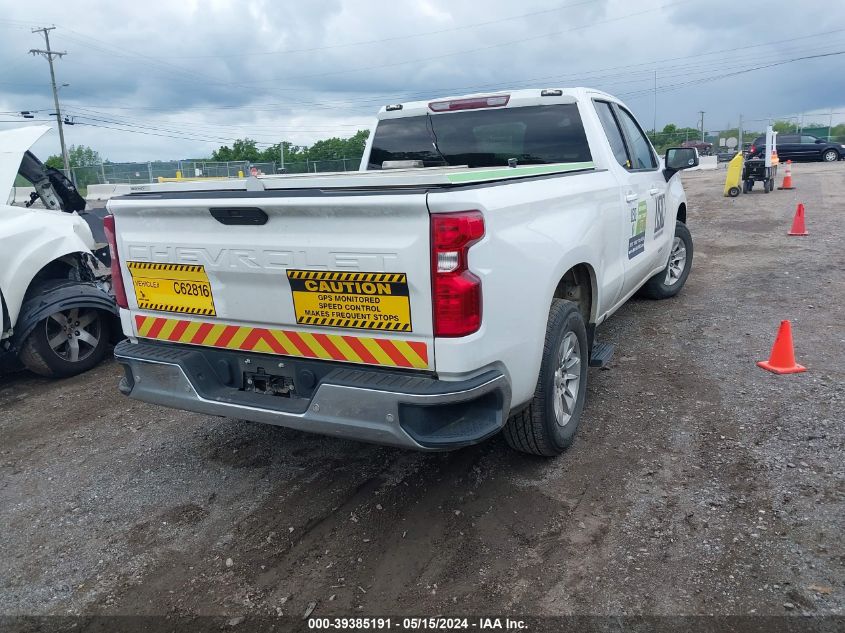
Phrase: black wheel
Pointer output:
(733, 192)
(669, 281)
(830, 156)
(67, 343)
(547, 426)
(745, 187)
(767, 186)
(750, 184)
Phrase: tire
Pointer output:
(676, 275)
(547, 426)
(67, 343)
(746, 187)
(830, 156)
(767, 186)
(733, 192)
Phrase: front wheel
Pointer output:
(669, 281)
(547, 426)
(67, 343)
(830, 156)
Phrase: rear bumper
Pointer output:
(361, 403)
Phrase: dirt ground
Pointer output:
(699, 484)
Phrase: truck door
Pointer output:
(644, 190)
(645, 238)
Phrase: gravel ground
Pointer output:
(699, 484)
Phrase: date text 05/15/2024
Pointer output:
(417, 624)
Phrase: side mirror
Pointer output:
(819, 140)
(678, 158)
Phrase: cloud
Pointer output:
(209, 72)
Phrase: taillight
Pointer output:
(472, 103)
(456, 292)
(752, 149)
(116, 278)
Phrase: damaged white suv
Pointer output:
(56, 310)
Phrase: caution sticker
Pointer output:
(172, 288)
(372, 301)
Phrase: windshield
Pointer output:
(533, 135)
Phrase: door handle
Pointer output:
(654, 191)
(631, 197)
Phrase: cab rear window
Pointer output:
(533, 135)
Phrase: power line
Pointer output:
(393, 38)
(209, 81)
(740, 72)
(467, 51)
(626, 70)
(211, 133)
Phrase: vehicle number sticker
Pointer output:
(172, 288)
(659, 214)
(372, 301)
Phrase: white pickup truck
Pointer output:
(447, 291)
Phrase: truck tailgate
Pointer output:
(343, 277)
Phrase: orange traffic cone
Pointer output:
(798, 226)
(782, 358)
(787, 177)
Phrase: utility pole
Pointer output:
(701, 112)
(740, 134)
(655, 105)
(49, 55)
(282, 154)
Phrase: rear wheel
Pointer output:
(669, 281)
(67, 343)
(547, 426)
(830, 156)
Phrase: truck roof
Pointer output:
(516, 99)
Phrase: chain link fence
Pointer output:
(137, 173)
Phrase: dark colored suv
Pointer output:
(800, 147)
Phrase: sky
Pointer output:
(162, 80)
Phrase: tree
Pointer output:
(78, 156)
(673, 136)
(329, 149)
(242, 149)
(785, 127)
(293, 153)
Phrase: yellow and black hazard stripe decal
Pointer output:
(188, 268)
(328, 275)
(368, 350)
(355, 323)
(167, 307)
